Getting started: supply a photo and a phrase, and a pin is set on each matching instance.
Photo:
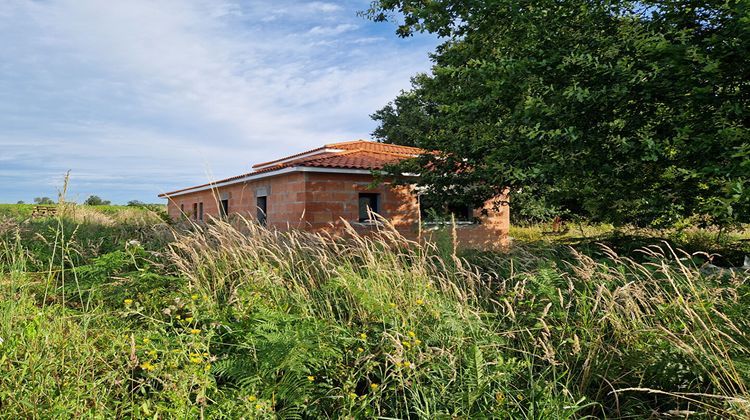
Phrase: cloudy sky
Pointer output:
(140, 97)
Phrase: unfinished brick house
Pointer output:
(315, 190)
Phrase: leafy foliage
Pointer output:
(230, 319)
(95, 200)
(619, 111)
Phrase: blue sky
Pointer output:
(140, 97)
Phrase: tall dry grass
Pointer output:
(609, 337)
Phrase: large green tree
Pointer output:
(629, 112)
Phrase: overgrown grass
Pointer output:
(112, 317)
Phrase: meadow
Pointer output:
(113, 312)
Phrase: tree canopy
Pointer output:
(619, 111)
(95, 200)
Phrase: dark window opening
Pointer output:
(432, 212)
(261, 203)
(462, 213)
(224, 208)
(195, 211)
(200, 211)
(182, 209)
(367, 203)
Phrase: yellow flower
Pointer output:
(412, 334)
(147, 366)
(128, 302)
(417, 342)
(363, 336)
(258, 406)
(207, 367)
(360, 350)
(398, 364)
(352, 395)
(406, 344)
(189, 319)
(310, 378)
(194, 297)
(407, 364)
(420, 302)
(392, 305)
(146, 340)
(152, 353)
(195, 331)
(178, 317)
(252, 398)
(374, 386)
(195, 360)
(499, 397)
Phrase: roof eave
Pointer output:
(261, 175)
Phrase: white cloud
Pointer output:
(163, 93)
(332, 30)
(324, 7)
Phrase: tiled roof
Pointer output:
(358, 154)
(362, 145)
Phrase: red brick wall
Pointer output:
(318, 201)
(285, 200)
(331, 197)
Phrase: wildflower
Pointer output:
(178, 317)
(189, 319)
(406, 344)
(374, 387)
(392, 305)
(146, 340)
(194, 297)
(420, 302)
(411, 334)
(195, 360)
(417, 342)
(152, 353)
(147, 366)
(252, 398)
(352, 395)
(128, 302)
(360, 350)
(363, 336)
(407, 364)
(499, 397)
(195, 331)
(398, 364)
(310, 378)
(207, 367)
(258, 406)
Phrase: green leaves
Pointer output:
(616, 111)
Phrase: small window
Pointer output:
(200, 211)
(182, 208)
(261, 203)
(224, 208)
(367, 203)
(462, 213)
(195, 211)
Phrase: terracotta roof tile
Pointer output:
(358, 154)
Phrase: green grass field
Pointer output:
(113, 313)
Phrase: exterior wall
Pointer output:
(318, 201)
(332, 197)
(285, 200)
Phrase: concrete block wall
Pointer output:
(317, 201)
